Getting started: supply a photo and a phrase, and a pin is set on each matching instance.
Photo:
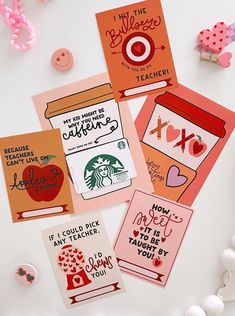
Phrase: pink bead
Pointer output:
(16, 20)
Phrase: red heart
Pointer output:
(77, 280)
(138, 48)
(157, 262)
(197, 147)
(73, 270)
(141, 228)
(61, 258)
(135, 233)
(172, 133)
(73, 260)
(75, 250)
(80, 257)
(163, 239)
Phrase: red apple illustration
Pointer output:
(43, 183)
(157, 262)
(197, 147)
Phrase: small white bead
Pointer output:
(228, 259)
(233, 241)
(213, 305)
(195, 311)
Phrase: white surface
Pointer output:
(197, 271)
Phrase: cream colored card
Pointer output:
(83, 260)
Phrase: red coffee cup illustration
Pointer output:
(71, 261)
(178, 140)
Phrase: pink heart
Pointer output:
(172, 133)
(224, 59)
(216, 39)
(174, 178)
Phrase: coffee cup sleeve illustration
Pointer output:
(93, 124)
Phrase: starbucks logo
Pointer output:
(121, 145)
(100, 171)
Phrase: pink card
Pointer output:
(83, 260)
(150, 236)
(182, 134)
(100, 142)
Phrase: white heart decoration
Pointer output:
(227, 293)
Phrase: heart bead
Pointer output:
(214, 40)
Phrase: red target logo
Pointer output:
(138, 49)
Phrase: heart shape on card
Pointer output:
(224, 59)
(174, 178)
(77, 279)
(163, 239)
(135, 233)
(73, 270)
(216, 39)
(172, 133)
(61, 258)
(138, 48)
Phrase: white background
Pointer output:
(197, 271)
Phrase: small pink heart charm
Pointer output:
(224, 59)
(214, 40)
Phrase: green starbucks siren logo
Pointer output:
(100, 170)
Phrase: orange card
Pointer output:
(36, 175)
(137, 49)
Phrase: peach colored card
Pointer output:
(90, 120)
(83, 260)
(36, 175)
(182, 134)
(150, 236)
(137, 49)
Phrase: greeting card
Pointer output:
(150, 236)
(36, 175)
(101, 145)
(182, 134)
(137, 49)
(83, 260)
